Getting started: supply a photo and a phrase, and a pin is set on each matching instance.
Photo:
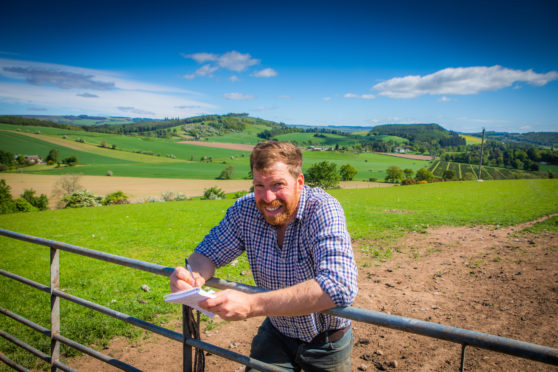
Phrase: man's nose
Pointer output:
(269, 196)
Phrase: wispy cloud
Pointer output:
(265, 73)
(462, 80)
(235, 96)
(133, 110)
(87, 95)
(60, 79)
(60, 89)
(363, 96)
(327, 98)
(234, 78)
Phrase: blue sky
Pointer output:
(462, 64)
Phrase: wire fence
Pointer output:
(464, 337)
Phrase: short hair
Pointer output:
(265, 154)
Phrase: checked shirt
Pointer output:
(316, 245)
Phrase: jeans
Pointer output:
(272, 347)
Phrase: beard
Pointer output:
(277, 219)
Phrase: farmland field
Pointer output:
(127, 161)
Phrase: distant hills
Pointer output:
(218, 125)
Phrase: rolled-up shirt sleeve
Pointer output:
(223, 243)
(334, 264)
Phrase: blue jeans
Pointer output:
(272, 347)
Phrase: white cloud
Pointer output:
(206, 70)
(327, 98)
(462, 80)
(363, 96)
(232, 61)
(265, 73)
(526, 128)
(235, 96)
(236, 61)
(444, 99)
(201, 57)
(234, 78)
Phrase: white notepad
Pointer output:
(191, 297)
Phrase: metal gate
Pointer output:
(458, 335)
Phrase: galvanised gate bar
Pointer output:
(462, 336)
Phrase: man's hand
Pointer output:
(181, 280)
(232, 305)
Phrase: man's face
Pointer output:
(277, 193)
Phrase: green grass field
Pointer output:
(164, 233)
(96, 161)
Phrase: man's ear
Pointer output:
(300, 182)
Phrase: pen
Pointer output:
(190, 270)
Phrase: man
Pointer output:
(298, 247)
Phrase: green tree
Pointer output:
(424, 174)
(70, 160)
(53, 156)
(7, 205)
(347, 172)
(323, 174)
(394, 174)
(408, 172)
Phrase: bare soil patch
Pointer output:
(140, 188)
(409, 156)
(136, 188)
(219, 145)
(484, 278)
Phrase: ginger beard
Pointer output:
(278, 212)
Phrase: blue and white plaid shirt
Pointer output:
(316, 245)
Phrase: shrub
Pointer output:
(213, 193)
(424, 174)
(448, 175)
(39, 202)
(117, 197)
(347, 172)
(421, 182)
(180, 197)
(168, 196)
(226, 174)
(323, 174)
(80, 199)
(408, 181)
(23, 205)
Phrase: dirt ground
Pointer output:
(485, 279)
(220, 145)
(409, 156)
(139, 188)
